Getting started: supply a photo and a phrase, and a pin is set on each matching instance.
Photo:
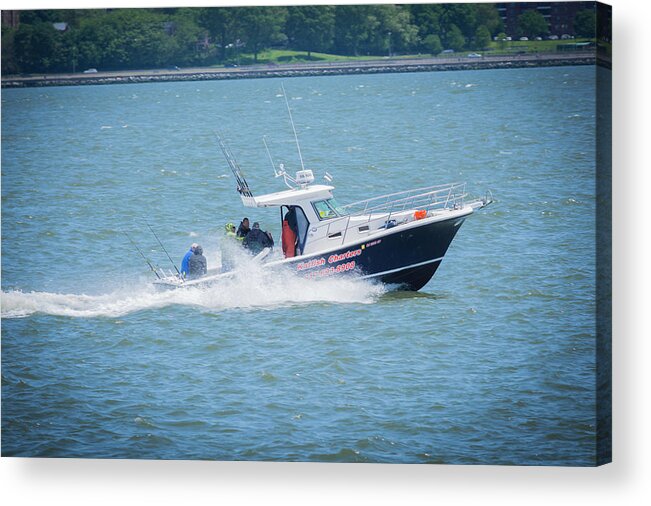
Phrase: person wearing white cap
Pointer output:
(185, 269)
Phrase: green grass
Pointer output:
(280, 56)
(277, 56)
(530, 46)
(516, 47)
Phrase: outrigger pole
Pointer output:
(242, 186)
(161, 245)
(142, 255)
(291, 120)
(273, 166)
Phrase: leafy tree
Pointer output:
(9, 64)
(585, 23)
(262, 27)
(427, 17)
(221, 24)
(472, 22)
(433, 44)
(34, 17)
(146, 38)
(454, 38)
(34, 47)
(482, 37)
(354, 27)
(311, 27)
(462, 16)
(532, 24)
(374, 29)
(488, 16)
(501, 40)
(186, 33)
(131, 38)
(88, 44)
(395, 21)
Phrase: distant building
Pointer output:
(203, 44)
(60, 27)
(11, 18)
(559, 15)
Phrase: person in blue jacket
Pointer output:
(185, 269)
(197, 265)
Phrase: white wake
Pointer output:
(251, 287)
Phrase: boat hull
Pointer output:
(407, 256)
(413, 278)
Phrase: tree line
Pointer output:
(122, 39)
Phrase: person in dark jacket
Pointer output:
(257, 240)
(184, 263)
(197, 265)
(243, 229)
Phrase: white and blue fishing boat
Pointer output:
(398, 239)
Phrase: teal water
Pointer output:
(492, 362)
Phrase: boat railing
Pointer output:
(428, 199)
(438, 196)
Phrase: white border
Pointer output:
(73, 481)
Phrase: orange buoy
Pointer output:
(420, 214)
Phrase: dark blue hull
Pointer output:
(408, 256)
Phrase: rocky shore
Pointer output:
(304, 69)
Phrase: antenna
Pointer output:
(298, 147)
(273, 166)
(281, 167)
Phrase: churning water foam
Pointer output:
(250, 287)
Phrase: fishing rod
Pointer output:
(142, 254)
(242, 185)
(161, 245)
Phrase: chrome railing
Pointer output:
(428, 199)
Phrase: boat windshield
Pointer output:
(328, 209)
(336, 207)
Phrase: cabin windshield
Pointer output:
(336, 207)
(328, 209)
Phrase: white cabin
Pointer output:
(314, 206)
(321, 222)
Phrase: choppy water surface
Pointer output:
(492, 362)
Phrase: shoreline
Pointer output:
(308, 69)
